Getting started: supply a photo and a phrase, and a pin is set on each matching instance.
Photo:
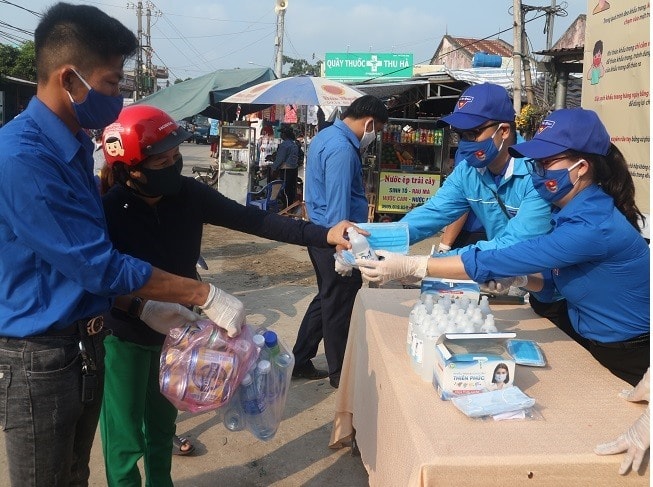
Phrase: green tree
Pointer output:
(19, 62)
(301, 66)
(25, 67)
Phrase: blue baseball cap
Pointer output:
(480, 104)
(574, 129)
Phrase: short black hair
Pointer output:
(81, 35)
(367, 106)
(598, 47)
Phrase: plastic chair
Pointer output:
(266, 198)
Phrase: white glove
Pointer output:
(502, 286)
(391, 266)
(641, 392)
(343, 269)
(443, 248)
(162, 317)
(225, 310)
(635, 441)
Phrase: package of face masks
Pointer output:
(453, 288)
(526, 352)
(471, 363)
(392, 237)
(493, 402)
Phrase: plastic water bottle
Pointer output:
(233, 418)
(360, 247)
(271, 344)
(431, 336)
(259, 418)
(485, 306)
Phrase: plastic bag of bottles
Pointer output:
(260, 401)
(201, 367)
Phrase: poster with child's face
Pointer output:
(616, 82)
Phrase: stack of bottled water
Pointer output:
(261, 397)
(436, 314)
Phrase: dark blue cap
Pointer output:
(574, 129)
(480, 104)
(270, 338)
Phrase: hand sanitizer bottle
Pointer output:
(360, 247)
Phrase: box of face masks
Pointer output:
(468, 363)
(453, 288)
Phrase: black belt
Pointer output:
(88, 326)
(636, 342)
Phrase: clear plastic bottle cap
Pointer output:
(263, 366)
(259, 340)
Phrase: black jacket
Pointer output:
(169, 236)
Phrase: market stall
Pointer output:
(408, 436)
(236, 160)
(407, 168)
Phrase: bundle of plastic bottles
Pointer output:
(434, 315)
(201, 367)
(261, 399)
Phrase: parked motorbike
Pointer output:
(207, 174)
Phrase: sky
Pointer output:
(195, 37)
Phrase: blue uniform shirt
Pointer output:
(468, 188)
(56, 263)
(596, 260)
(334, 177)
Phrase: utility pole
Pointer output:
(138, 72)
(516, 55)
(550, 15)
(280, 7)
(526, 63)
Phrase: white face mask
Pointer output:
(500, 377)
(368, 137)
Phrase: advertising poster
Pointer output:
(399, 192)
(616, 83)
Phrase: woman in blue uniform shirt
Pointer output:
(595, 255)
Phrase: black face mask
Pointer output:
(162, 182)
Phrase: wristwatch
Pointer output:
(135, 306)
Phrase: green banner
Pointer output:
(359, 66)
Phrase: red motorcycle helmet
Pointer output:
(140, 131)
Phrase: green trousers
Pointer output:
(136, 421)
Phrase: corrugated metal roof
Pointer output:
(491, 46)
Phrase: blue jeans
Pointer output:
(49, 429)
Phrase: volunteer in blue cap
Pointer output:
(595, 255)
(496, 187)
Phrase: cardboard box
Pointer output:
(466, 362)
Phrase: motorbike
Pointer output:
(207, 174)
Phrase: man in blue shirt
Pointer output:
(335, 191)
(58, 269)
(496, 187)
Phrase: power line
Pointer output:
(22, 8)
(464, 46)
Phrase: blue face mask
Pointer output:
(555, 184)
(97, 110)
(479, 154)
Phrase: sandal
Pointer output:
(181, 446)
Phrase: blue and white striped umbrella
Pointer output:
(297, 90)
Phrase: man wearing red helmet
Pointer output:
(157, 215)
